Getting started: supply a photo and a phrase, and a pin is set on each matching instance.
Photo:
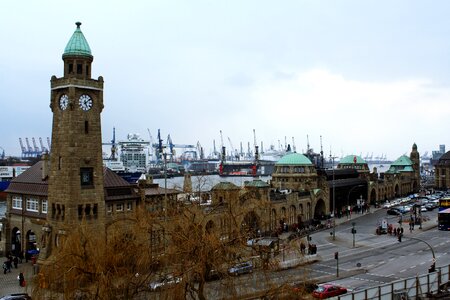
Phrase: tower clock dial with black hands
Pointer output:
(63, 102)
(85, 102)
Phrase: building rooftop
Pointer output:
(352, 159)
(296, 159)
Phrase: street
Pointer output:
(375, 259)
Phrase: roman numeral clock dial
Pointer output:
(85, 102)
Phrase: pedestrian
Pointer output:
(302, 248)
(16, 261)
(21, 279)
(8, 266)
(5, 267)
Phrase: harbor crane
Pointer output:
(113, 146)
(34, 145)
(22, 147)
(200, 150)
(28, 151)
(2, 155)
(28, 145)
(233, 152)
(223, 149)
(42, 145)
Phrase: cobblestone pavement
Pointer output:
(9, 283)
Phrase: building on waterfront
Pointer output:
(73, 186)
(442, 172)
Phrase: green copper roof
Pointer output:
(257, 183)
(402, 164)
(225, 185)
(408, 169)
(402, 161)
(294, 159)
(350, 159)
(77, 44)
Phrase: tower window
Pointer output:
(86, 127)
(87, 210)
(86, 177)
(59, 163)
(70, 68)
(80, 211)
(79, 69)
(95, 210)
(87, 70)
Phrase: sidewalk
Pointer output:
(9, 283)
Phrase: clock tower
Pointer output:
(75, 184)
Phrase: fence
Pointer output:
(408, 288)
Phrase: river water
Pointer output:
(205, 183)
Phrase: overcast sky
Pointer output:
(367, 76)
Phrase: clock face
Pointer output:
(85, 102)
(63, 102)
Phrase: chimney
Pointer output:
(44, 166)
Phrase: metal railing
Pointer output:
(409, 288)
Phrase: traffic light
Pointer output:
(336, 255)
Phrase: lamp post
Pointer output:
(334, 201)
(353, 232)
(429, 246)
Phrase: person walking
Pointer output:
(15, 261)
(21, 279)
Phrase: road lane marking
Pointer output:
(404, 270)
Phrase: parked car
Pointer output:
(387, 204)
(241, 268)
(394, 211)
(328, 290)
(20, 296)
(165, 282)
(430, 205)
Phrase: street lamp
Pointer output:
(431, 248)
(334, 201)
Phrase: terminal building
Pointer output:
(71, 185)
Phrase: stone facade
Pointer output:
(442, 172)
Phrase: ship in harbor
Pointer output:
(128, 158)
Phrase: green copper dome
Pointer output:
(77, 44)
(294, 159)
(352, 159)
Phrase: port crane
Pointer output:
(113, 146)
(29, 151)
(223, 149)
(160, 146)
